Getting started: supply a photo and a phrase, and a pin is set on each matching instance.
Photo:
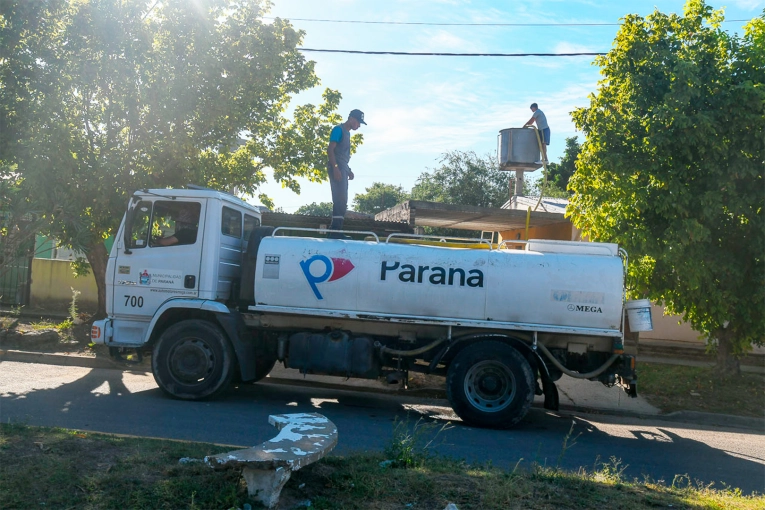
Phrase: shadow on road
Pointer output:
(112, 401)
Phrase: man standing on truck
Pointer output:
(338, 157)
(538, 116)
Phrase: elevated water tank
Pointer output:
(518, 149)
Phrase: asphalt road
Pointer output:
(114, 401)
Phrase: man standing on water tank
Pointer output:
(338, 157)
(544, 130)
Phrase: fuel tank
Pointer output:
(556, 283)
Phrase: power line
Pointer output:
(438, 54)
(467, 24)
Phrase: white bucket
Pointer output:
(639, 315)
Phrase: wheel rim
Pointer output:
(490, 386)
(191, 361)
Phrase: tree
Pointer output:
(464, 178)
(316, 209)
(99, 98)
(560, 173)
(379, 197)
(467, 179)
(672, 169)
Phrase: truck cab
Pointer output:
(177, 246)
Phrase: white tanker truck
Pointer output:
(194, 279)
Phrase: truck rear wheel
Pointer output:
(193, 360)
(490, 384)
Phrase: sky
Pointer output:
(419, 107)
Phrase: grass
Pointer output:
(676, 388)
(8, 322)
(40, 325)
(57, 468)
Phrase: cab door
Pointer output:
(164, 260)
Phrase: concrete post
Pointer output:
(519, 183)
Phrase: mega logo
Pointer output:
(585, 308)
(331, 269)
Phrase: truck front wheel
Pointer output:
(490, 384)
(193, 360)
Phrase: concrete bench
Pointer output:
(303, 439)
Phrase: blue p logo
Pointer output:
(313, 280)
(334, 269)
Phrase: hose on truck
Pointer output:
(573, 374)
(413, 352)
(558, 365)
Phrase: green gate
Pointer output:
(15, 272)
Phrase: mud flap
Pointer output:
(626, 377)
(242, 342)
(549, 389)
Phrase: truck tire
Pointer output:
(193, 360)
(490, 384)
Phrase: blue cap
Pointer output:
(358, 115)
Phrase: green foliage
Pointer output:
(672, 167)
(466, 179)
(547, 189)
(73, 305)
(41, 325)
(19, 221)
(410, 446)
(80, 267)
(64, 325)
(379, 197)
(560, 173)
(8, 323)
(613, 471)
(314, 209)
(569, 441)
(98, 99)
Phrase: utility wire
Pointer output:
(466, 24)
(435, 54)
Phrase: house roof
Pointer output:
(466, 217)
(552, 205)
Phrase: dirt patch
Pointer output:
(703, 389)
(45, 335)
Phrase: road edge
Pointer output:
(695, 417)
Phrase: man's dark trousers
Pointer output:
(339, 200)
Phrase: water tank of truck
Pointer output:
(518, 149)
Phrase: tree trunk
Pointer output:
(98, 257)
(727, 363)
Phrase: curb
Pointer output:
(695, 417)
(718, 420)
(67, 360)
